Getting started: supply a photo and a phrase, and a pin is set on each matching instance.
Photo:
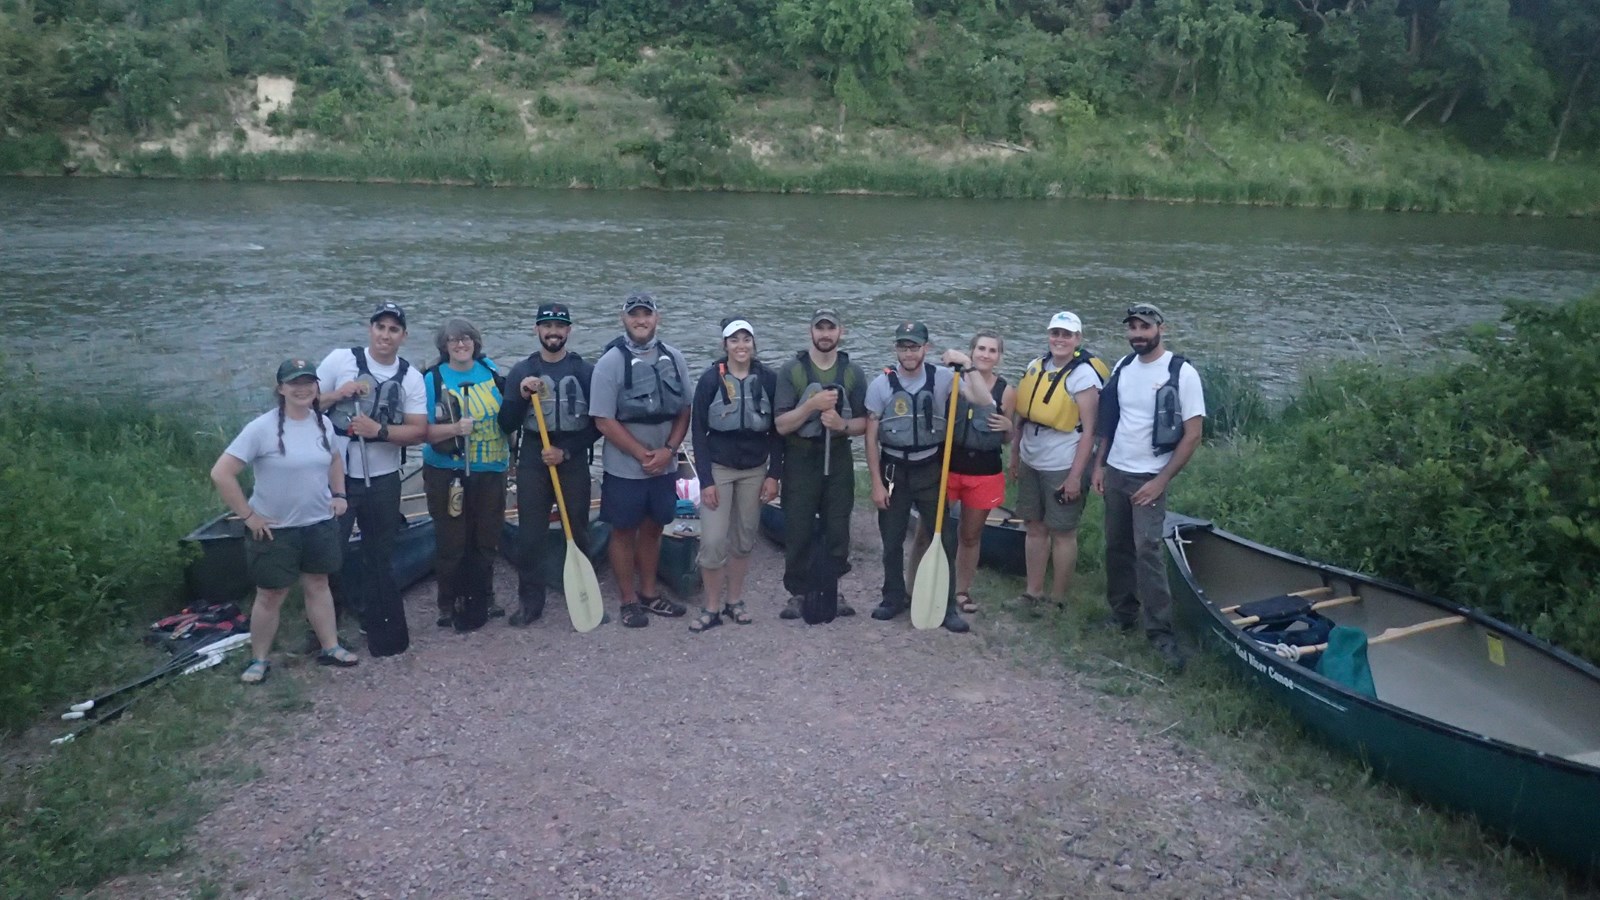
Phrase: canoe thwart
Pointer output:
(1285, 607)
(1308, 592)
(1394, 634)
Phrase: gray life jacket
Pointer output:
(650, 393)
(912, 421)
(740, 404)
(972, 423)
(564, 404)
(812, 427)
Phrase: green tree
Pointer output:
(696, 99)
(860, 40)
(1573, 46)
(1226, 52)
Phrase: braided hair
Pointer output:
(316, 413)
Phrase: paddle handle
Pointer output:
(949, 441)
(555, 482)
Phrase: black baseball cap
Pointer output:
(553, 312)
(389, 309)
(639, 300)
(295, 368)
(911, 331)
(825, 314)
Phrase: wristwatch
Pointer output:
(340, 495)
(383, 433)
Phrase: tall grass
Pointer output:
(92, 501)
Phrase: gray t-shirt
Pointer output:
(291, 487)
(879, 392)
(604, 389)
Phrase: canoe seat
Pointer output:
(1592, 758)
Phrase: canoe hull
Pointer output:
(1537, 799)
(219, 574)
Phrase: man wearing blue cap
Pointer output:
(640, 398)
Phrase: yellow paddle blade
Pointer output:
(930, 591)
(584, 603)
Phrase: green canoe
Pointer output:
(1470, 713)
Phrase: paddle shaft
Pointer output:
(928, 610)
(1394, 634)
(555, 482)
(944, 465)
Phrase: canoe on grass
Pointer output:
(1469, 712)
(219, 574)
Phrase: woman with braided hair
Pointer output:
(291, 514)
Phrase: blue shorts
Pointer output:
(625, 502)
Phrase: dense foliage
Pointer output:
(1475, 481)
(92, 500)
(1512, 76)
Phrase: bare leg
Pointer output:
(1064, 556)
(737, 567)
(1036, 547)
(647, 555)
(319, 609)
(621, 551)
(714, 580)
(970, 535)
(264, 619)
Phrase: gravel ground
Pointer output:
(857, 759)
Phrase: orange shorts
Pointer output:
(977, 491)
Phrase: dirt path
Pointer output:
(859, 759)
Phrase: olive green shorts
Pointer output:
(309, 549)
(1036, 499)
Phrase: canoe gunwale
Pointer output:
(1294, 671)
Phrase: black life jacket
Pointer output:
(972, 423)
(1167, 430)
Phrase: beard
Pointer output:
(1142, 346)
(824, 345)
(553, 342)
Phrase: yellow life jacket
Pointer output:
(1042, 398)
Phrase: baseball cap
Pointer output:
(735, 326)
(825, 314)
(639, 300)
(1067, 321)
(911, 331)
(389, 309)
(291, 369)
(1147, 313)
(553, 312)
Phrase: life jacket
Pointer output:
(740, 404)
(911, 421)
(972, 423)
(565, 404)
(808, 383)
(1167, 430)
(385, 405)
(1043, 399)
(451, 405)
(650, 393)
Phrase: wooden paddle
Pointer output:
(1392, 634)
(578, 582)
(930, 591)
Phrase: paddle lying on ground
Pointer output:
(578, 582)
(930, 591)
(171, 667)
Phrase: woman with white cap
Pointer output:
(737, 455)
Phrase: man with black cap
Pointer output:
(819, 392)
(907, 408)
(640, 397)
(1152, 413)
(560, 380)
(373, 474)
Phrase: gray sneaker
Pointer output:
(792, 609)
(845, 609)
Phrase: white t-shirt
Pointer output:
(1046, 449)
(338, 369)
(1136, 397)
(292, 486)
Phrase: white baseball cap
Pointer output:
(736, 326)
(1067, 321)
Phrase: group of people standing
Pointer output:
(328, 459)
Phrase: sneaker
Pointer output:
(953, 622)
(661, 606)
(496, 611)
(887, 610)
(445, 620)
(845, 609)
(1167, 648)
(634, 616)
(792, 609)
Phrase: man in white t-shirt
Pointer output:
(373, 475)
(1152, 413)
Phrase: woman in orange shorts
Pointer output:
(982, 427)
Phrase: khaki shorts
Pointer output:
(1036, 499)
(308, 549)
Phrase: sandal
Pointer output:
(337, 656)
(661, 606)
(256, 671)
(965, 603)
(738, 613)
(634, 616)
(707, 620)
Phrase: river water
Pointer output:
(195, 291)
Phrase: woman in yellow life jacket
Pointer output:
(1051, 458)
